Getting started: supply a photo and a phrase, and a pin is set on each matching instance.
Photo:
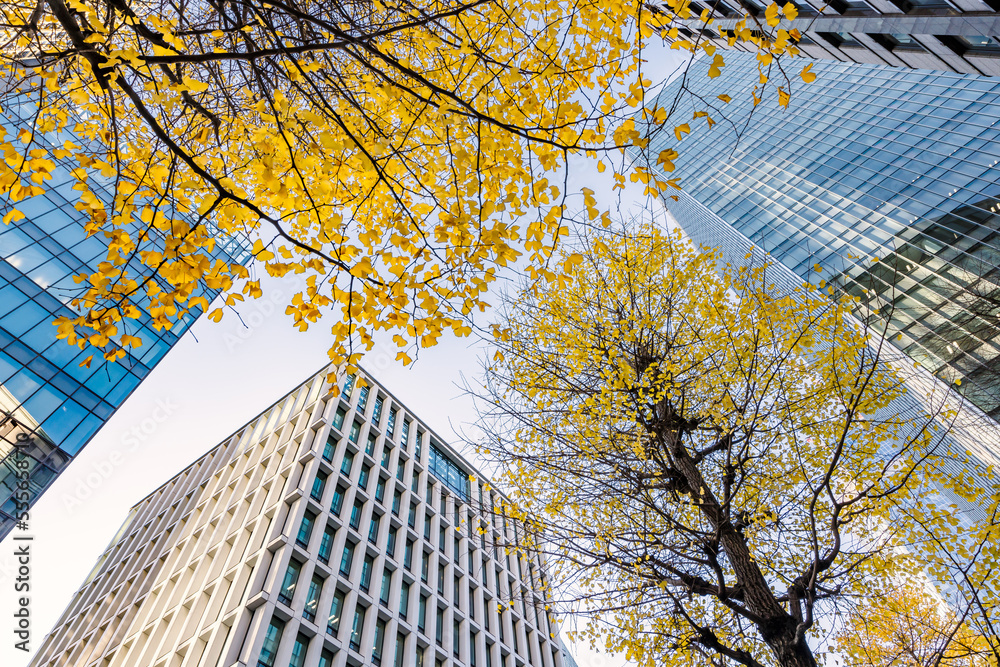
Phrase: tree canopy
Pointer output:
(398, 153)
(719, 471)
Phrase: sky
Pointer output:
(217, 378)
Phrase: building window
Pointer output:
(357, 627)
(427, 526)
(400, 650)
(325, 659)
(896, 41)
(356, 514)
(397, 498)
(336, 611)
(408, 554)
(425, 567)
(456, 643)
(377, 411)
(404, 599)
(366, 573)
(839, 39)
(329, 448)
(850, 7)
(363, 398)
(319, 485)
(363, 477)
(386, 455)
(370, 445)
(383, 594)
(439, 627)
(412, 520)
(473, 643)
(379, 640)
(305, 529)
(271, 640)
(312, 599)
(347, 559)
(446, 470)
(338, 501)
(440, 579)
(405, 437)
(373, 528)
(390, 545)
(976, 44)
(441, 539)
(355, 432)
(338, 418)
(380, 489)
(347, 463)
(289, 582)
(415, 482)
(349, 383)
(422, 613)
(420, 443)
(326, 545)
(916, 6)
(390, 425)
(299, 651)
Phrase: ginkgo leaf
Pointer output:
(806, 75)
(771, 14)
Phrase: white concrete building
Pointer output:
(328, 531)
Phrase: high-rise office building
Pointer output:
(948, 35)
(888, 179)
(50, 405)
(327, 531)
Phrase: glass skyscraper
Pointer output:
(887, 178)
(51, 406)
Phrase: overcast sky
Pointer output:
(218, 377)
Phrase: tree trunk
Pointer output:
(777, 627)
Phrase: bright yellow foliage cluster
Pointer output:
(396, 154)
(716, 466)
(906, 626)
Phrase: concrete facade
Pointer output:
(947, 35)
(327, 531)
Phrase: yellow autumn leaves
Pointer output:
(665, 417)
(395, 164)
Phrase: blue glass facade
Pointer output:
(51, 406)
(889, 179)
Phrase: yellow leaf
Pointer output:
(716, 68)
(806, 75)
(771, 14)
(665, 159)
(681, 130)
(790, 11)
(12, 216)
(725, 98)
(215, 315)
